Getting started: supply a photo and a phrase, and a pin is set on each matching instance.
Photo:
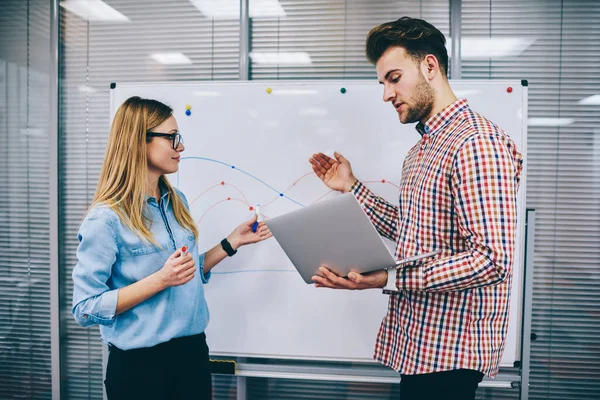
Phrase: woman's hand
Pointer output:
(243, 235)
(177, 270)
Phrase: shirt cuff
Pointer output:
(108, 304)
(391, 281)
(106, 309)
(411, 278)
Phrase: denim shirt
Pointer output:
(110, 256)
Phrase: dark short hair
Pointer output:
(418, 37)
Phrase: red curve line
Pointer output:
(221, 184)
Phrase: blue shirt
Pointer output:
(111, 256)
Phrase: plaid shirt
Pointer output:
(458, 194)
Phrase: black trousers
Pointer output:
(459, 384)
(177, 369)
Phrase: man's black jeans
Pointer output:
(459, 384)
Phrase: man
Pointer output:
(447, 316)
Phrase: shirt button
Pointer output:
(85, 316)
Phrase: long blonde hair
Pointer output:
(124, 176)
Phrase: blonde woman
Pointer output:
(132, 277)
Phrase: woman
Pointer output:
(134, 276)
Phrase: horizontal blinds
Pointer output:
(563, 177)
(25, 365)
(331, 33)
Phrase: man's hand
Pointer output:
(335, 173)
(355, 281)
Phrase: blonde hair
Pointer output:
(124, 176)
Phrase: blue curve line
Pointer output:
(253, 270)
(244, 172)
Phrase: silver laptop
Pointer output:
(336, 233)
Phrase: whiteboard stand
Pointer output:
(241, 388)
(241, 383)
(527, 303)
(322, 371)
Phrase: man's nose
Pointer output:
(388, 94)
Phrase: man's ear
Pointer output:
(430, 67)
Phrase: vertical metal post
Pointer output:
(455, 35)
(242, 393)
(527, 303)
(244, 40)
(53, 170)
(244, 76)
(104, 364)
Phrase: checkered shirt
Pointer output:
(458, 194)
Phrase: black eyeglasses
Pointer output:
(175, 137)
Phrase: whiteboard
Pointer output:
(248, 143)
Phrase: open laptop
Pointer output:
(336, 233)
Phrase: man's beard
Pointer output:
(421, 102)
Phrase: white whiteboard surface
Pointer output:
(245, 146)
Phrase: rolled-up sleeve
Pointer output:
(205, 276)
(94, 302)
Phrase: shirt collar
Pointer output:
(163, 193)
(440, 120)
